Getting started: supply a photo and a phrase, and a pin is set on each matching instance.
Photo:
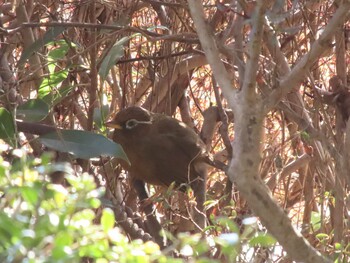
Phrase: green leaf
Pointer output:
(57, 95)
(94, 203)
(33, 110)
(61, 245)
(50, 35)
(100, 115)
(315, 220)
(338, 246)
(86, 216)
(227, 223)
(30, 194)
(9, 228)
(7, 128)
(262, 239)
(58, 51)
(322, 236)
(114, 54)
(63, 239)
(51, 82)
(83, 144)
(57, 193)
(107, 219)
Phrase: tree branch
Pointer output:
(299, 72)
(212, 54)
(249, 116)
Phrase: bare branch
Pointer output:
(207, 40)
(298, 73)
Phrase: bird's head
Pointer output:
(130, 121)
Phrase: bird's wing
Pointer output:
(175, 147)
(181, 136)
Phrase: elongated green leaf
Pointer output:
(57, 95)
(7, 128)
(116, 52)
(100, 115)
(58, 50)
(50, 35)
(51, 82)
(83, 144)
(322, 236)
(316, 220)
(33, 110)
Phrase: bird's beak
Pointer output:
(111, 124)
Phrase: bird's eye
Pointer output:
(130, 124)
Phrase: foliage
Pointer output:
(45, 222)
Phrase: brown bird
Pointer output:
(161, 150)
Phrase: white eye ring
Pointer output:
(130, 124)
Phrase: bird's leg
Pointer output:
(199, 190)
(152, 224)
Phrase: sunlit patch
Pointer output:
(186, 251)
(182, 124)
(230, 238)
(249, 220)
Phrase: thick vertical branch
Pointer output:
(209, 46)
(248, 126)
(249, 81)
(341, 172)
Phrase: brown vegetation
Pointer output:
(265, 85)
